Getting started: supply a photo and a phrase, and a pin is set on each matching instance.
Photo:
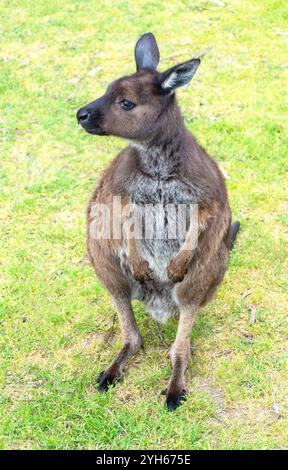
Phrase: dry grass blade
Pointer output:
(253, 314)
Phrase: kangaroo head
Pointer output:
(133, 106)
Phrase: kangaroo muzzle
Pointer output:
(91, 116)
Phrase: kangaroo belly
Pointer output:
(157, 294)
(160, 301)
(159, 253)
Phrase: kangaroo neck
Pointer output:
(161, 155)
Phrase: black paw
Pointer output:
(106, 380)
(174, 399)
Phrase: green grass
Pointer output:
(55, 57)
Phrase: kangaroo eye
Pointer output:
(126, 104)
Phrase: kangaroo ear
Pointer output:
(146, 52)
(179, 75)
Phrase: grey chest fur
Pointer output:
(156, 184)
(156, 187)
(153, 195)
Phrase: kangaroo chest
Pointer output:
(153, 190)
(156, 180)
(158, 196)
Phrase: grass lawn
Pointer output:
(56, 320)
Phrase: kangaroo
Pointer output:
(162, 166)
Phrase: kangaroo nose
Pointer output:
(82, 115)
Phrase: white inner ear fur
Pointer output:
(180, 75)
(170, 81)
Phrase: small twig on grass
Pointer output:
(253, 314)
(280, 31)
(246, 293)
(193, 55)
(226, 352)
(251, 307)
(203, 52)
(160, 335)
(276, 411)
(178, 54)
(218, 3)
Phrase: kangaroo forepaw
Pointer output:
(175, 276)
(177, 270)
(142, 271)
(106, 380)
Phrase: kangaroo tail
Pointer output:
(233, 233)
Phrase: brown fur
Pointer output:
(157, 121)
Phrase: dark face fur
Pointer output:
(132, 106)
